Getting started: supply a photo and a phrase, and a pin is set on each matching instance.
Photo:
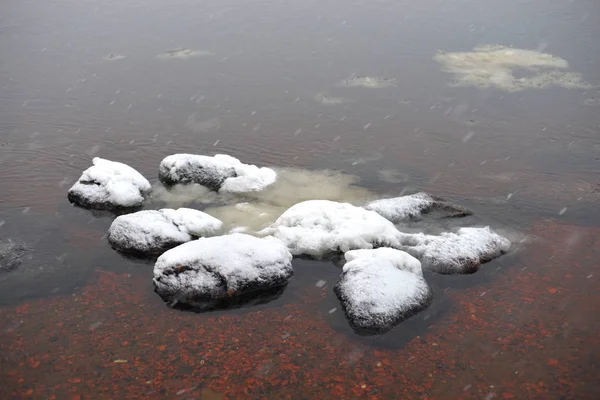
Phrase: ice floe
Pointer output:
(108, 185)
(380, 288)
(150, 232)
(221, 173)
(207, 272)
(413, 206)
(320, 227)
(498, 66)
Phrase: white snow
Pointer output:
(151, 231)
(318, 227)
(220, 172)
(110, 183)
(194, 222)
(222, 266)
(455, 253)
(402, 208)
(381, 287)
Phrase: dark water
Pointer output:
(271, 82)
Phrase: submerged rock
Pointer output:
(11, 254)
(380, 288)
(456, 253)
(219, 173)
(411, 207)
(319, 227)
(109, 185)
(210, 271)
(153, 232)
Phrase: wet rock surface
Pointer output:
(12, 254)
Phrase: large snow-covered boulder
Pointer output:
(380, 288)
(219, 173)
(153, 232)
(410, 207)
(109, 185)
(320, 227)
(456, 253)
(210, 271)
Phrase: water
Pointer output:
(350, 100)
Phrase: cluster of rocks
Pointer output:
(381, 282)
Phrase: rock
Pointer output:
(456, 253)
(412, 207)
(213, 271)
(109, 185)
(380, 288)
(11, 254)
(321, 227)
(219, 173)
(151, 232)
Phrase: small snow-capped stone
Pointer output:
(404, 208)
(215, 269)
(380, 288)
(456, 253)
(221, 173)
(108, 185)
(153, 232)
(319, 227)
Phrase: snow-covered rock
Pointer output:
(404, 208)
(109, 184)
(380, 288)
(212, 270)
(219, 173)
(153, 232)
(319, 227)
(456, 253)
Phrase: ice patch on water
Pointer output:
(370, 82)
(498, 66)
(183, 54)
(322, 98)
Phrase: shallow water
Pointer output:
(350, 100)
